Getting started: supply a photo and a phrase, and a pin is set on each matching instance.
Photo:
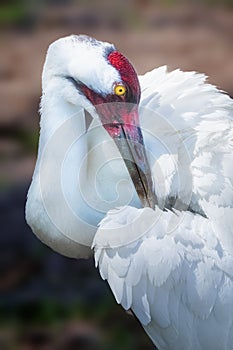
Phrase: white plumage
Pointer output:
(176, 276)
(173, 268)
(193, 123)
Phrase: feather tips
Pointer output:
(173, 281)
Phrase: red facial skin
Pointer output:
(128, 75)
(114, 110)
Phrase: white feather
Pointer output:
(183, 291)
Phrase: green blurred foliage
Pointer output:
(13, 12)
(25, 13)
(111, 325)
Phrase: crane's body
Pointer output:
(164, 140)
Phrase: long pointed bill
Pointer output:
(134, 155)
(129, 141)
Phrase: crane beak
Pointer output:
(134, 155)
(129, 141)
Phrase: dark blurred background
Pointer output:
(47, 301)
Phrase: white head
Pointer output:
(84, 72)
(82, 58)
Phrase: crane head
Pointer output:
(91, 72)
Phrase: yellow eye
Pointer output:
(119, 90)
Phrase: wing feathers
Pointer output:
(178, 283)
